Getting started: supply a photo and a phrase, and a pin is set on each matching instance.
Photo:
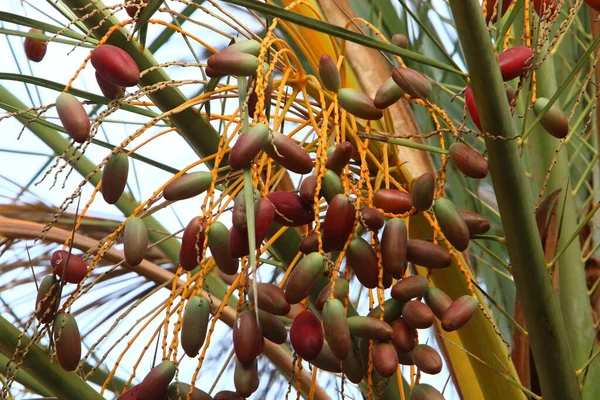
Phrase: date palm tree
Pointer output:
(145, 139)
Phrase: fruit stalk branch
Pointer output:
(548, 336)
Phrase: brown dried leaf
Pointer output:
(371, 76)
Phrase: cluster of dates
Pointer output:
(333, 340)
